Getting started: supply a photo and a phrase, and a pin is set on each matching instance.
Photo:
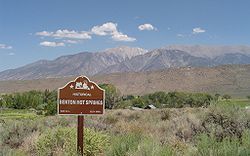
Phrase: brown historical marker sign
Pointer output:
(81, 97)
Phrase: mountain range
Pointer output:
(226, 79)
(130, 59)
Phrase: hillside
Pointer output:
(130, 59)
(89, 63)
(211, 51)
(231, 79)
(159, 59)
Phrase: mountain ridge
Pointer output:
(129, 59)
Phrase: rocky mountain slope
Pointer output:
(83, 63)
(159, 59)
(226, 79)
(128, 59)
(210, 51)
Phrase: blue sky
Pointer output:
(31, 30)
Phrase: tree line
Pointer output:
(169, 100)
(42, 101)
(45, 102)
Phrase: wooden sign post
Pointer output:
(81, 97)
(80, 132)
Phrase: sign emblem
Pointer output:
(80, 97)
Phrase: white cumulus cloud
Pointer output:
(4, 46)
(146, 26)
(118, 36)
(44, 33)
(105, 29)
(52, 44)
(111, 29)
(198, 30)
(71, 34)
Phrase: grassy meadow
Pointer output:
(222, 128)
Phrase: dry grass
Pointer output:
(29, 141)
(165, 125)
(170, 127)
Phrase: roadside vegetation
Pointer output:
(184, 124)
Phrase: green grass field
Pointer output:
(237, 102)
(17, 114)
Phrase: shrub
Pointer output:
(149, 147)
(226, 121)
(165, 114)
(209, 145)
(226, 97)
(52, 140)
(64, 140)
(245, 142)
(124, 144)
(110, 119)
(7, 151)
(136, 144)
(13, 133)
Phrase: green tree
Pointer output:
(217, 96)
(51, 108)
(43, 101)
(139, 102)
(158, 97)
(50, 102)
(128, 97)
(226, 96)
(112, 95)
(248, 97)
